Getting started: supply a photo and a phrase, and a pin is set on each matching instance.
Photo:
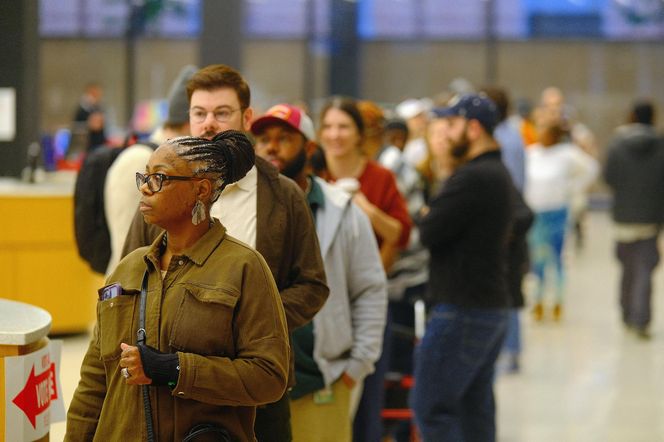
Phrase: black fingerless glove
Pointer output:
(162, 368)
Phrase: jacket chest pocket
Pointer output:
(116, 325)
(203, 323)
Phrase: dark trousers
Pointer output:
(273, 422)
(638, 260)
(453, 397)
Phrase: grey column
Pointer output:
(19, 70)
(344, 49)
(491, 42)
(221, 34)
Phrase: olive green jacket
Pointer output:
(285, 236)
(218, 309)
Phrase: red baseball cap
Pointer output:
(286, 114)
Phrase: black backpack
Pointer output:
(93, 239)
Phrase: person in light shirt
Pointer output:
(556, 170)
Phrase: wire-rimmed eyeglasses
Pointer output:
(156, 180)
(198, 115)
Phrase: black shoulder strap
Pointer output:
(140, 339)
(141, 336)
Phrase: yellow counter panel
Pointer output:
(39, 263)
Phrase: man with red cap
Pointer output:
(339, 347)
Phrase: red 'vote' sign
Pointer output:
(37, 394)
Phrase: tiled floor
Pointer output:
(584, 379)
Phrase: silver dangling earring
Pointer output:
(198, 213)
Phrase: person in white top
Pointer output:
(120, 196)
(556, 170)
(415, 111)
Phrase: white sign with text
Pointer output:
(33, 394)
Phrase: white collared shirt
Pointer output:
(236, 208)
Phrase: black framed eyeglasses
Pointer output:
(156, 180)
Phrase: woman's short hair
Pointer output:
(224, 159)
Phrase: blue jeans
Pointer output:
(453, 394)
(512, 344)
(546, 240)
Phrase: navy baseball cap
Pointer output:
(471, 107)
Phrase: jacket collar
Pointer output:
(315, 196)
(198, 253)
(634, 129)
(331, 214)
(494, 154)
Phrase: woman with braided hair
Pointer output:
(210, 343)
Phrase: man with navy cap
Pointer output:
(466, 230)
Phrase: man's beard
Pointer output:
(294, 167)
(459, 148)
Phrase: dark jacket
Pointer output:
(467, 231)
(285, 236)
(219, 310)
(635, 172)
(518, 259)
(93, 239)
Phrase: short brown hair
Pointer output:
(217, 76)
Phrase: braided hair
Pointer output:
(224, 159)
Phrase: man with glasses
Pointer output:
(264, 209)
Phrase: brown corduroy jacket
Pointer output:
(218, 309)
